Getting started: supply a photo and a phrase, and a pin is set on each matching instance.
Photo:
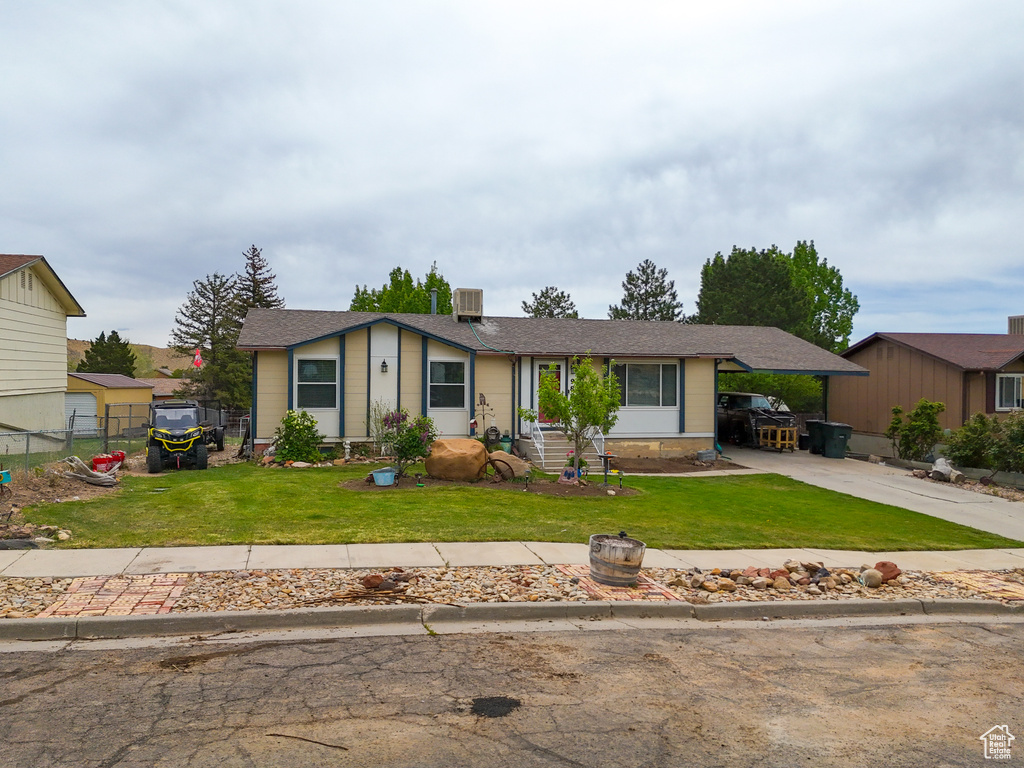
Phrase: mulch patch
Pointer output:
(669, 466)
(541, 487)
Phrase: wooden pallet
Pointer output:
(779, 438)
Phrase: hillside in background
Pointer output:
(147, 358)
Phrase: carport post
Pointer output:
(824, 394)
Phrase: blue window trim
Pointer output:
(682, 393)
(252, 407)
(424, 377)
(291, 379)
(341, 385)
(398, 374)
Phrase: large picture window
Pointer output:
(317, 384)
(1008, 391)
(651, 385)
(447, 384)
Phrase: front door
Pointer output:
(546, 368)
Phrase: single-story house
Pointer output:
(469, 372)
(968, 372)
(89, 394)
(34, 308)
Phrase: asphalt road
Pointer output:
(731, 694)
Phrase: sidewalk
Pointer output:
(68, 563)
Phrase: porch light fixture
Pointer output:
(384, 366)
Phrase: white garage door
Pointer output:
(81, 407)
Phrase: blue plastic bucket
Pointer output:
(384, 476)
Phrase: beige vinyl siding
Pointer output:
(271, 393)
(33, 337)
(32, 412)
(355, 384)
(699, 395)
(494, 380)
(411, 385)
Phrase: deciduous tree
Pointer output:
(401, 294)
(648, 294)
(588, 410)
(551, 302)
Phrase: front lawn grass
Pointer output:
(245, 504)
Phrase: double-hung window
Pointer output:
(651, 385)
(447, 384)
(316, 384)
(1008, 391)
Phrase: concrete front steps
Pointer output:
(553, 457)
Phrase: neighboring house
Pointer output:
(335, 365)
(969, 372)
(163, 387)
(34, 307)
(89, 394)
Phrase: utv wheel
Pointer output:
(153, 461)
(202, 457)
(220, 440)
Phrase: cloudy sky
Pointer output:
(144, 145)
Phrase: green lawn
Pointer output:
(245, 504)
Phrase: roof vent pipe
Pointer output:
(433, 301)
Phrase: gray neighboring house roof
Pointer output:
(750, 347)
(111, 380)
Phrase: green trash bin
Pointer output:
(816, 435)
(837, 437)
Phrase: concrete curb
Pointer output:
(416, 617)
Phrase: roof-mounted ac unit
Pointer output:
(467, 303)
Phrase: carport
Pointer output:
(770, 350)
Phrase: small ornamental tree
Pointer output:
(915, 438)
(297, 438)
(588, 410)
(408, 438)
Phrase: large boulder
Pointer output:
(504, 462)
(456, 458)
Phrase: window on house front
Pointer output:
(1008, 391)
(317, 384)
(447, 384)
(647, 384)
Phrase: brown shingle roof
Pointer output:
(968, 351)
(162, 386)
(768, 349)
(111, 380)
(9, 262)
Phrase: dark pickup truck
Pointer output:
(741, 413)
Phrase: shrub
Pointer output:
(974, 444)
(1008, 452)
(915, 438)
(297, 438)
(408, 438)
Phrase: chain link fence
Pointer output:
(21, 451)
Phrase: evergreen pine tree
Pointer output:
(256, 286)
(209, 321)
(648, 295)
(108, 354)
(550, 302)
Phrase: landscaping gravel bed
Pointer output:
(302, 588)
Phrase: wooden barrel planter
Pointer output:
(615, 560)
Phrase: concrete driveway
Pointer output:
(890, 485)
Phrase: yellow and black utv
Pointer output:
(177, 438)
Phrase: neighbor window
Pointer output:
(447, 384)
(647, 384)
(317, 384)
(1008, 391)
